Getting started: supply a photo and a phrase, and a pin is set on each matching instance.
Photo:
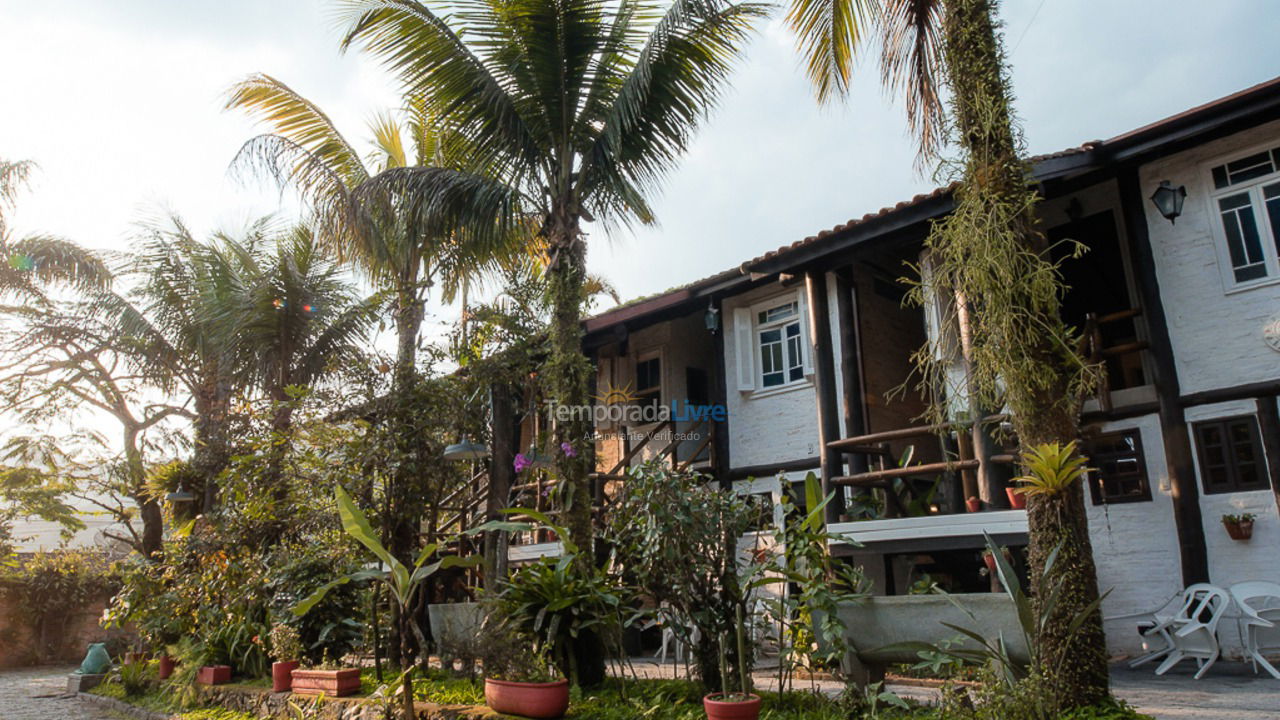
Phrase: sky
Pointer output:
(119, 103)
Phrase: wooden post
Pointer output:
(1173, 418)
(824, 386)
(1269, 428)
(855, 402)
(720, 394)
(505, 437)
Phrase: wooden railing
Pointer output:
(1093, 350)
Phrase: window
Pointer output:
(1231, 458)
(1119, 472)
(1247, 201)
(781, 350)
(649, 381)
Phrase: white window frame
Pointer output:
(1267, 236)
(748, 330)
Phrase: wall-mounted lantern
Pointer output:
(712, 318)
(1168, 199)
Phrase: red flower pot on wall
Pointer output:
(333, 683)
(973, 504)
(282, 675)
(166, 667)
(719, 709)
(1240, 530)
(1016, 499)
(214, 675)
(535, 700)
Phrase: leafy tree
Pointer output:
(989, 255)
(28, 492)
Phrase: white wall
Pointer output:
(773, 426)
(1216, 333)
(1233, 561)
(1135, 545)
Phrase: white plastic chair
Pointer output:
(1155, 625)
(1259, 604)
(1194, 632)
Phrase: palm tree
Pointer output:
(576, 110)
(294, 318)
(30, 263)
(990, 256)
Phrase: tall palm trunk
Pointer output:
(568, 373)
(212, 435)
(148, 506)
(1075, 666)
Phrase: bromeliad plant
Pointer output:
(402, 582)
(1052, 468)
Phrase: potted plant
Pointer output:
(1239, 527)
(519, 680)
(165, 668)
(741, 704)
(973, 505)
(330, 679)
(990, 559)
(286, 648)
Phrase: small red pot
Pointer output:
(543, 701)
(1016, 499)
(723, 710)
(332, 683)
(973, 505)
(214, 675)
(990, 560)
(166, 667)
(282, 675)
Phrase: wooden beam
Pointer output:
(824, 385)
(1173, 419)
(772, 469)
(863, 479)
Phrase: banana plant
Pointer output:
(402, 582)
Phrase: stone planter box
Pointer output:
(332, 683)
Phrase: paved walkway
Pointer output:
(40, 694)
(1229, 692)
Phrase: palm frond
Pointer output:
(911, 65)
(828, 35)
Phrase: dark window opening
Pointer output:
(1119, 471)
(648, 382)
(1231, 457)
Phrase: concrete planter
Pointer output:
(455, 625)
(533, 700)
(875, 624)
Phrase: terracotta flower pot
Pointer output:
(214, 675)
(718, 709)
(535, 700)
(1016, 499)
(282, 675)
(973, 505)
(166, 667)
(990, 560)
(1240, 530)
(333, 683)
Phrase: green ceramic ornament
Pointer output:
(96, 661)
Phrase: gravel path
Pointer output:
(40, 694)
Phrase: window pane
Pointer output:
(1120, 474)
(774, 314)
(1244, 244)
(773, 379)
(1271, 193)
(1231, 457)
(770, 336)
(1254, 166)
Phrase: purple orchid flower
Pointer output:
(522, 462)
(568, 450)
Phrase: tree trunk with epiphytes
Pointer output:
(993, 253)
(568, 374)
